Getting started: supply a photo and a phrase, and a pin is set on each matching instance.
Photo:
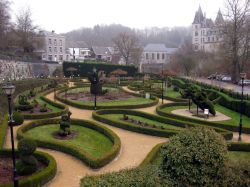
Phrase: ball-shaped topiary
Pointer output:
(195, 157)
(28, 163)
(26, 146)
(17, 118)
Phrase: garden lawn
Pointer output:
(171, 93)
(42, 102)
(142, 119)
(239, 155)
(91, 141)
(235, 116)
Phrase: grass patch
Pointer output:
(171, 93)
(235, 116)
(239, 156)
(91, 141)
(142, 119)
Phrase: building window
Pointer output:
(60, 42)
(60, 57)
(208, 39)
(50, 42)
(196, 26)
(50, 49)
(196, 47)
(50, 57)
(55, 49)
(153, 56)
(162, 56)
(147, 56)
(55, 43)
(158, 56)
(55, 58)
(196, 33)
(60, 49)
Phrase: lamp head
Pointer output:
(242, 75)
(8, 89)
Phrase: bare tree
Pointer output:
(25, 30)
(4, 22)
(127, 44)
(186, 58)
(237, 35)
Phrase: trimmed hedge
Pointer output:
(159, 111)
(64, 109)
(151, 155)
(97, 115)
(239, 146)
(155, 100)
(224, 98)
(3, 130)
(39, 178)
(80, 154)
(83, 68)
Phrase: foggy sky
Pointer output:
(64, 16)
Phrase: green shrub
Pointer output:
(28, 163)
(26, 146)
(176, 89)
(195, 157)
(44, 108)
(17, 118)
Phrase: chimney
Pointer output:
(53, 31)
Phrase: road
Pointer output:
(226, 85)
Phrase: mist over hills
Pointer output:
(101, 35)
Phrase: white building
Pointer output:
(155, 56)
(54, 47)
(78, 51)
(206, 34)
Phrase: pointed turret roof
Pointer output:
(219, 18)
(199, 17)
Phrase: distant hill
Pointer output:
(101, 35)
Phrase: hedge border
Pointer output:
(3, 130)
(40, 178)
(155, 100)
(97, 115)
(82, 155)
(159, 111)
(152, 155)
(64, 108)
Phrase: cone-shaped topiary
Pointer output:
(17, 118)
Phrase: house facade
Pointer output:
(155, 56)
(54, 48)
(206, 33)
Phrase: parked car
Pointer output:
(227, 79)
(246, 82)
(213, 76)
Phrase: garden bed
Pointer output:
(95, 145)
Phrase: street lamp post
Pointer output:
(9, 90)
(162, 84)
(95, 85)
(242, 76)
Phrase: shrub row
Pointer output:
(80, 154)
(224, 99)
(98, 115)
(151, 156)
(64, 109)
(3, 130)
(155, 100)
(39, 178)
(83, 69)
(159, 111)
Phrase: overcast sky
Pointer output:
(64, 16)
